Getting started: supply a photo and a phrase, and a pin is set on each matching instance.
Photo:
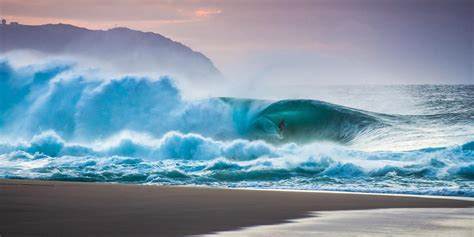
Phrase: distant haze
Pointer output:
(263, 43)
(120, 50)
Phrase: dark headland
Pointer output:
(127, 49)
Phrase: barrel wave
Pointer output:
(63, 122)
(304, 121)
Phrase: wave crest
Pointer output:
(190, 158)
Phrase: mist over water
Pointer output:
(59, 121)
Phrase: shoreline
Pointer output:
(346, 192)
(56, 208)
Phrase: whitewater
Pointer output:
(58, 122)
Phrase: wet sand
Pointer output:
(406, 222)
(46, 208)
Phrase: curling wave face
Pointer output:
(58, 124)
(300, 121)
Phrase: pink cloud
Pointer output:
(207, 12)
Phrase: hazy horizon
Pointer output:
(282, 43)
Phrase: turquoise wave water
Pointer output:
(189, 159)
(304, 121)
(58, 123)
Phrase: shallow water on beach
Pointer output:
(382, 222)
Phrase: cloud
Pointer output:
(105, 10)
(206, 12)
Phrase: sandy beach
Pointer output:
(46, 208)
(406, 222)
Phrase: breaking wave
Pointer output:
(60, 124)
(192, 159)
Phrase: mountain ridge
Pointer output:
(129, 49)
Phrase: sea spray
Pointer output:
(57, 123)
(195, 160)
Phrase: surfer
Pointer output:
(281, 126)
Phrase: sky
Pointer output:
(293, 42)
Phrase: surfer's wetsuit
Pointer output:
(281, 126)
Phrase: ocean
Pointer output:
(60, 124)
